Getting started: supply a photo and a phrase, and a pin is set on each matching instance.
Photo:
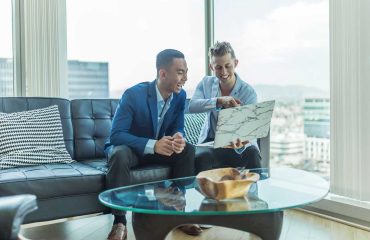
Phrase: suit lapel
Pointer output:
(152, 102)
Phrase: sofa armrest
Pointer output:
(13, 209)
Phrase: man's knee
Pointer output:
(254, 152)
(253, 157)
(120, 160)
(123, 156)
(186, 156)
(190, 149)
(188, 152)
(203, 153)
(203, 159)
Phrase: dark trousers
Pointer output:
(122, 158)
(209, 158)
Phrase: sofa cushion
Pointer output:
(97, 163)
(18, 104)
(52, 180)
(92, 121)
(32, 137)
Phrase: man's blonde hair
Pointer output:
(220, 49)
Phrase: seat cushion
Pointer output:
(139, 174)
(52, 180)
(98, 163)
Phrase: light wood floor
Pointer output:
(297, 225)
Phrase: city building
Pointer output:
(287, 138)
(316, 114)
(287, 149)
(6, 77)
(85, 79)
(88, 79)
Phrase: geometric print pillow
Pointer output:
(193, 125)
(32, 138)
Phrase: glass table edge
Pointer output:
(170, 179)
(146, 211)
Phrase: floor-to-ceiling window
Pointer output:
(6, 49)
(283, 48)
(112, 45)
(283, 52)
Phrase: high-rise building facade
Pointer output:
(6, 77)
(88, 79)
(316, 112)
(85, 79)
(286, 135)
(287, 148)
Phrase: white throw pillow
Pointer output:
(32, 138)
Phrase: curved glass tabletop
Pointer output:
(277, 189)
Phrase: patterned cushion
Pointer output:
(193, 125)
(32, 138)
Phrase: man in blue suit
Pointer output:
(148, 127)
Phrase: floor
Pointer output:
(297, 225)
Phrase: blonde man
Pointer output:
(225, 89)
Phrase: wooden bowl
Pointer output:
(225, 183)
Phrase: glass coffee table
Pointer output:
(159, 207)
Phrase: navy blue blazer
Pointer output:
(136, 117)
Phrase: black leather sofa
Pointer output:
(65, 190)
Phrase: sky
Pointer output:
(283, 42)
(135, 35)
(278, 42)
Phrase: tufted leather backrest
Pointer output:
(18, 104)
(92, 121)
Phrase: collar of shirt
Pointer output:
(237, 86)
(161, 102)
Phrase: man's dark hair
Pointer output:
(164, 58)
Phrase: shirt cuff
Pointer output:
(211, 104)
(149, 147)
(241, 150)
